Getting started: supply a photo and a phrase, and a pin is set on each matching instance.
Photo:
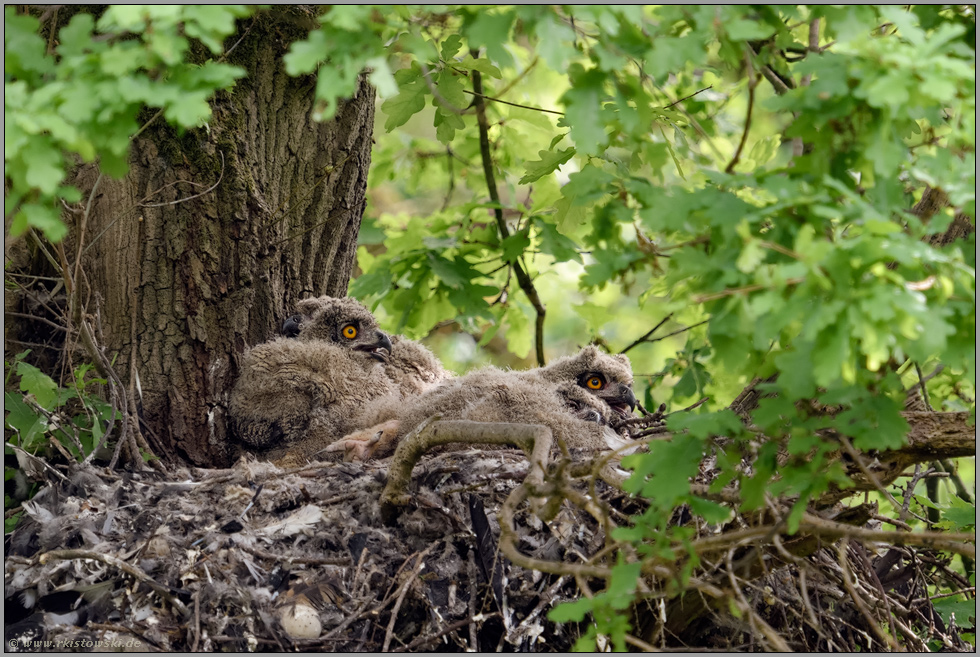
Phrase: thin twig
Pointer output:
(191, 198)
(643, 338)
(449, 629)
(873, 480)
(702, 298)
(35, 318)
(507, 102)
(753, 81)
(119, 564)
(687, 97)
(409, 580)
(858, 602)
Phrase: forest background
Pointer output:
(729, 195)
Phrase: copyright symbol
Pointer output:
(12, 643)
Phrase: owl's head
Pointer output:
(609, 377)
(342, 321)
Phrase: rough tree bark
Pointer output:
(187, 275)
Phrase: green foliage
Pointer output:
(605, 608)
(634, 190)
(79, 99)
(643, 192)
(74, 416)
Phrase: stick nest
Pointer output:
(257, 558)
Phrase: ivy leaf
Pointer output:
(549, 161)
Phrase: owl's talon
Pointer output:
(366, 444)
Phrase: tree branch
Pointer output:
(522, 277)
(753, 81)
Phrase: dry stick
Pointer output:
(76, 309)
(522, 277)
(471, 576)
(35, 318)
(197, 620)
(873, 576)
(409, 580)
(129, 569)
(639, 643)
(449, 629)
(547, 598)
(755, 620)
(859, 603)
(753, 81)
(854, 454)
(960, 543)
(534, 439)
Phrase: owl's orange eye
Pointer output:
(349, 332)
(594, 382)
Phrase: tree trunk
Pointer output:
(217, 232)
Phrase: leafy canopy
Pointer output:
(745, 171)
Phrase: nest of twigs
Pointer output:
(257, 558)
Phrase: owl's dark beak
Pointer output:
(290, 328)
(620, 398)
(383, 343)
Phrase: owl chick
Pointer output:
(411, 367)
(606, 377)
(319, 378)
(575, 397)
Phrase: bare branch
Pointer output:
(522, 277)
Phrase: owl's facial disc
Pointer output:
(379, 350)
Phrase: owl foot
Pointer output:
(377, 441)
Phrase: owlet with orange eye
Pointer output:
(576, 397)
(606, 377)
(410, 367)
(312, 382)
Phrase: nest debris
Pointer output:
(258, 558)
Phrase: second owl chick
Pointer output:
(575, 397)
(319, 379)
(410, 367)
